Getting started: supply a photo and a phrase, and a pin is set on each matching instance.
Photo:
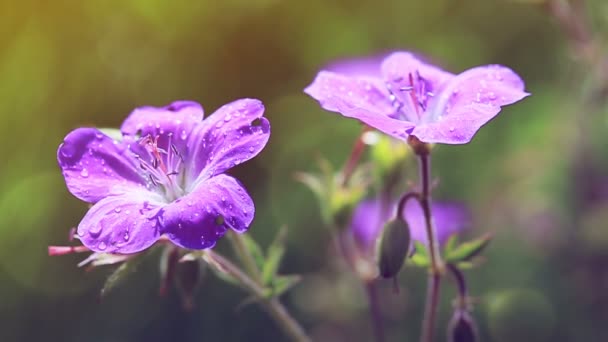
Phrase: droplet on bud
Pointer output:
(393, 247)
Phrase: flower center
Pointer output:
(409, 96)
(163, 166)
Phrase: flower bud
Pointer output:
(393, 247)
(462, 327)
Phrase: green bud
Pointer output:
(393, 247)
(462, 327)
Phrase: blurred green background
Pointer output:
(536, 175)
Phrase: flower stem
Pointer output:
(374, 310)
(432, 299)
(272, 305)
(461, 284)
(354, 157)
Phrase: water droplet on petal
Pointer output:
(99, 136)
(102, 246)
(117, 210)
(126, 236)
(251, 149)
(84, 173)
(183, 135)
(451, 129)
(227, 117)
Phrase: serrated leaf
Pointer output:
(255, 250)
(467, 250)
(313, 182)
(420, 258)
(451, 244)
(218, 269)
(119, 275)
(283, 283)
(274, 256)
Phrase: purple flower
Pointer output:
(369, 218)
(165, 177)
(408, 97)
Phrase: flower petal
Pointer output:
(234, 133)
(358, 98)
(399, 65)
(448, 218)
(469, 101)
(95, 166)
(367, 222)
(200, 218)
(175, 120)
(122, 224)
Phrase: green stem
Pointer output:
(272, 305)
(432, 299)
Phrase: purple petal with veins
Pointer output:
(168, 157)
(410, 97)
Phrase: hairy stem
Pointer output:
(374, 310)
(272, 305)
(354, 157)
(432, 299)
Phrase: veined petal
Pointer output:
(177, 119)
(234, 133)
(469, 101)
(200, 218)
(448, 219)
(400, 65)
(95, 166)
(360, 99)
(123, 224)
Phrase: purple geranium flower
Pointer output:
(369, 219)
(165, 176)
(405, 96)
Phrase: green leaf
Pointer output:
(255, 250)
(274, 255)
(420, 257)
(119, 275)
(467, 250)
(283, 283)
(217, 268)
(450, 244)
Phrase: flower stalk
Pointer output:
(253, 283)
(422, 150)
(272, 305)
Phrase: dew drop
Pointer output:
(251, 149)
(190, 203)
(117, 210)
(102, 246)
(183, 135)
(126, 236)
(451, 129)
(99, 136)
(227, 117)
(84, 173)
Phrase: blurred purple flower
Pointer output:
(165, 177)
(403, 96)
(369, 218)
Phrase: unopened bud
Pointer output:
(393, 247)
(462, 327)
